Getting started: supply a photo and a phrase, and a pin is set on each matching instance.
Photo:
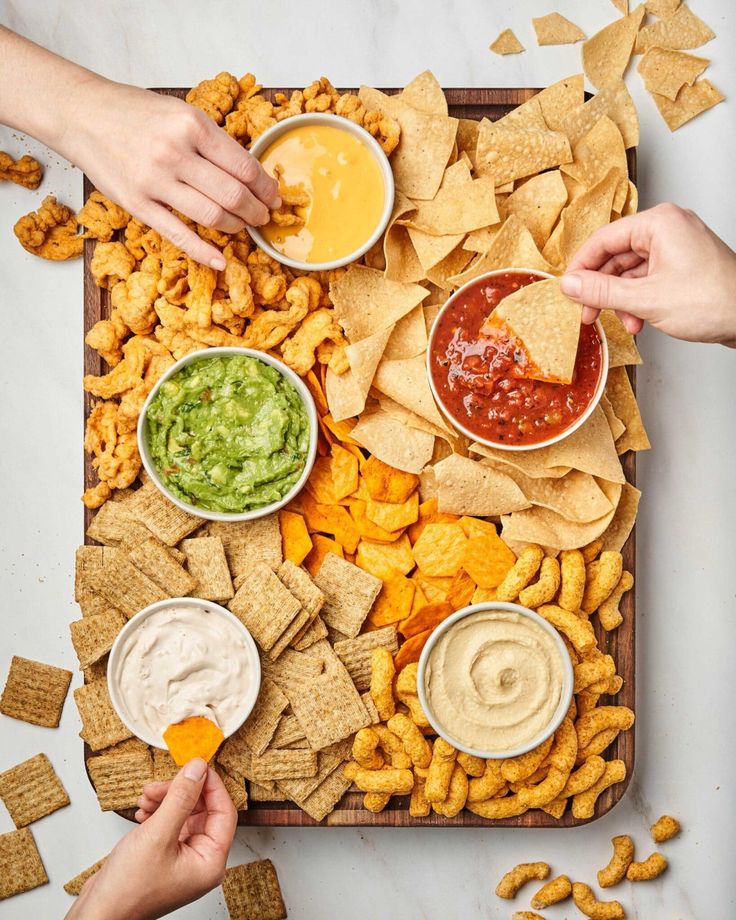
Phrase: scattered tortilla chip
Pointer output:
(355, 654)
(74, 886)
(250, 542)
(155, 560)
(284, 764)
(196, 736)
(349, 594)
(347, 393)
(425, 618)
(23, 869)
(439, 549)
(101, 725)
(124, 586)
(411, 420)
(409, 336)
(557, 100)
(332, 519)
(691, 101)
(623, 402)
(537, 203)
(666, 71)
(367, 529)
(93, 636)
(344, 470)
(614, 422)
(623, 6)
(575, 496)
(621, 345)
(320, 547)
(450, 213)
(506, 43)
(264, 606)
(614, 101)
(32, 790)
(425, 94)
(411, 649)
(385, 559)
(661, 8)
(466, 486)
(297, 543)
(554, 29)
(618, 531)
(401, 262)
(119, 778)
(683, 29)
(461, 590)
(607, 53)
(393, 516)
(393, 603)
(487, 559)
(207, 564)
(407, 449)
(165, 521)
(509, 151)
(406, 382)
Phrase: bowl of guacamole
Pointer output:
(229, 434)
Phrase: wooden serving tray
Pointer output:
(463, 103)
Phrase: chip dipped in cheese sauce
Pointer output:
(342, 180)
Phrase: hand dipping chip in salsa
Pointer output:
(504, 389)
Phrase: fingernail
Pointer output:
(195, 769)
(218, 263)
(572, 285)
(277, 202)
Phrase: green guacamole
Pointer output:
(228, 434)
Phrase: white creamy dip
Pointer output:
(183, 661)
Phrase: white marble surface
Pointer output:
(686, 582)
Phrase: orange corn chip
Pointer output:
(393, 515)
(320, 484)
(194, 737)
(439, 550)
(386, 559)
(297, 543)
(461, 590)
(483, 595)
(387, 484)
(318, 394)
(411, 649)
(426, 618)
(420, 599)
(344, 470)
(367, 528)
(320, 547)
(341, 430)
(477, 527)
(393, 603)
(326, 438)
(428, 514)
(332, 519)
(487, 559)
(436, 589)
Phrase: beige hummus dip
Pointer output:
(494, 680)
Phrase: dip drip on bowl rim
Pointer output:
(593, 390)
(186, 646)
(518, 670)
(287, 375)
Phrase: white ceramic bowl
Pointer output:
(262, 143)
(565, 696)
(208, 515)
(498, 445)
(254, 662)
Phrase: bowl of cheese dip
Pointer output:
(495, 680)
(179, 658)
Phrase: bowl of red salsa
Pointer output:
(479, 381)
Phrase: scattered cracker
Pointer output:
(284, 764)
(349, 594)
(155, 560)
(101, 725)
(287, 731)
(22, 867)
(126, 587)
(264, 605)
(124, 747)
(261, 724)
(323, 800)
(288, 636)
(235, 788)
(236, 756)
(291, 667)
(119, 778)
(110, 523)
(96, 671)
(164, 766)
(252, 892)
(207, 564)
(312, 633)
(165, 521)
(371, 707)
(93, 636)
(35, 692)
(74, 886)
(299, 582)
(248, 542)
(299, 790)
(355, 654)
(32, 790)
(266, 792)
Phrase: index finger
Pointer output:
(222, 150)
(613, 239)
(221, 816)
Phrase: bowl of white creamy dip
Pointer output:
(179, 658)
(495, 680)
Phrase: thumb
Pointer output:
(601, 291)
(181, 798)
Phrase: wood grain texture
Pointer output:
(463, 103)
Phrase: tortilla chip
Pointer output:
(451, 213)
(366, 302)
(23, 868)
(425, 94)
(621, 345)
(344, 471)
(614, 422)
(411, 420)
(554, 29)
(683, 29)
(607, 53)
(119, 778)
(297, 543)
(466, 486)
(208, 565)
(74, 886)
(349, 594)
(509, 151)
(601, 149)
(661, 8)
(622, 6)
(385, 559)
(666, 71)
(196, 736)
(557, 100)
(393, 603)
(614, 101)
(408, 337)
(356, 653)
(405, 381)
(407, 449)
(623, 403)
(101, 725)
(691, 101)
(401, 262)
(165, 521)
(347, 392)
(506, 43)
(618, 531)
(537, 203)
(575, 496)
(35, 692)
(264, 606)
(31, 790)
(331, 519)
(93, 636)
(487, 559)
(439, 549)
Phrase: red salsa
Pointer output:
(480, 378)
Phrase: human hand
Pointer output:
(178, 853)
(663, 266)
(149, 152)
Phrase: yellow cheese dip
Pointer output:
(494, 680)
(345, 187)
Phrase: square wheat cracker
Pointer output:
(22, 867)
(154, 559)
(119, 778)
(264, 606)
(101, 725)
(109, 524)
(248, 542)
(125, 586)
(32, 790)
(35, 692)
(235, 787)
(74, 885)
(277, 764)
(259, 727)
(164, 765)
(356, 653)
(287, 731)
(93, 636)
(165, 521)
(349, 594)
(208, 566)
(329, 759)
(312, 633)
(252, 892)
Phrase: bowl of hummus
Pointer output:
(495, 680)
(179, 658)
(228, 434)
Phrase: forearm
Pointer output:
(41, 91)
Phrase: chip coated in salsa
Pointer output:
(481, 378)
